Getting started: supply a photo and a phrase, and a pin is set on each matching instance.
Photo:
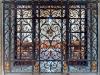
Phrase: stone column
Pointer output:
(1, 64)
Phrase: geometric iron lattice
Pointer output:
(50, 36)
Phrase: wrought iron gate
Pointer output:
(50, 36)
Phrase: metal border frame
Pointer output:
(7, 16)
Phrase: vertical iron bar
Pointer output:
(67, 33)
(15, 33)
(4, 37)
(86, 35)
(39, 35)
(97, 35)
(80, 39)
(10, 37)
(33, 35)
(90, 30)
(61, 38)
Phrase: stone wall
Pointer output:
(0, 37)
(1, 73)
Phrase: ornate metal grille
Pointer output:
(50, 36)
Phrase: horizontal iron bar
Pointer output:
(49, 2)
(52, 18)
(32, 33)
(52, 60)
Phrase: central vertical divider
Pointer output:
(67, 34)
(33, 36)
(39, 35)
(62, 38)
